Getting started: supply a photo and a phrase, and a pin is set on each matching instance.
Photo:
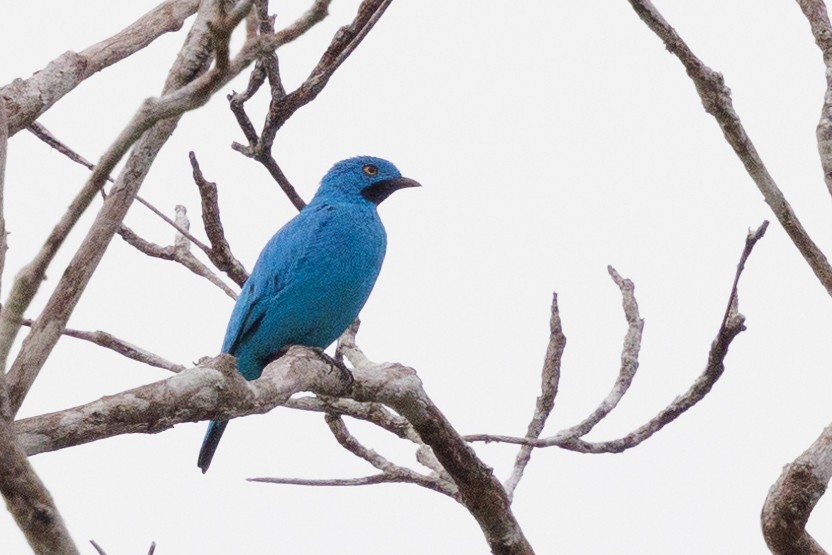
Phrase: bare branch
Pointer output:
(629, 359)
(110, 341)
(793, 497)
(189, 85)
(364, 481)
(374, 413)
(346, 40)
(815, 12)
(211, 390)
(218, 391)
(42, 133)
(26, 497)
(28, 500)
(27, 100)
(395, 472)
(98, 548)
(480, 492)
(220, 252)
(179, 252)
(283, 105)
(4, 140)
(732, 325)
(28, 363)
(549, 379)
(716, 98)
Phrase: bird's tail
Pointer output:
(209, 444)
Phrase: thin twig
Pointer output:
(336, 482)
(177, 253)
(42, 133)
(401, 474)
(120, 346)
(283, 105)
(220, 251)
(549, 379)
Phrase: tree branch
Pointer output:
(120, 346)
(550, 377)
(214, 389)
(193, 60)
(27, 100)
(716, 98)
(26, 497)
(731, 326)
(815, 12)
(480, 492)
(629, 359)
(283, 105)
(793, 497)
(220, 251)
(42, 133)
(189, 85)
(218, 391)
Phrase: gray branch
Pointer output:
(28, 99)
(793, 497)
(550, 377)
(26, 497)
(189, 85)
(716, 98)
(731, 326)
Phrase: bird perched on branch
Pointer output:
(314, 275)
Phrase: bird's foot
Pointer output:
(334, 364)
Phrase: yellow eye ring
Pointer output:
(370, 170)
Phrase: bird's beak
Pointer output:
(403, 182)
(379, 191)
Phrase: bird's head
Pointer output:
(362, 179)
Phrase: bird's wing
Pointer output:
(271, 273)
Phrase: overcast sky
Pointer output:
(552, 139)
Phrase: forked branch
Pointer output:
(571, 438)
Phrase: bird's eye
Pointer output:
(370, 169)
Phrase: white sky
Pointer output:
(552, 139)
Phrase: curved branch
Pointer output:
(731, 326)
(217, 390)
(629, 359)
(482, 494)
(793, 497)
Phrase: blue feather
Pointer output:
(314, 275)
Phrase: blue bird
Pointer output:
(314, 275)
